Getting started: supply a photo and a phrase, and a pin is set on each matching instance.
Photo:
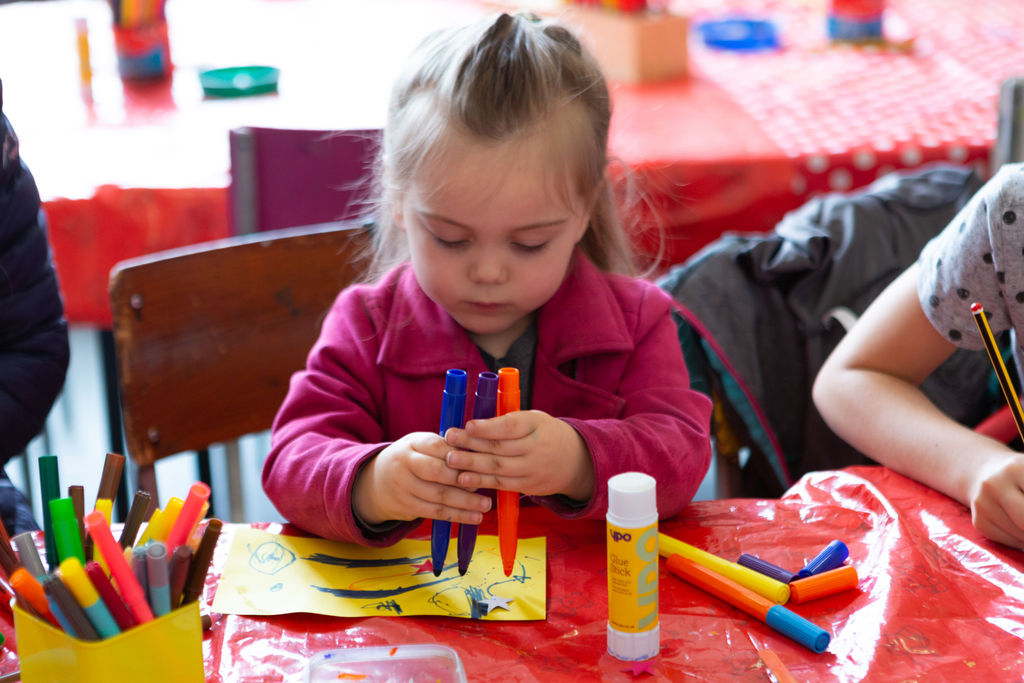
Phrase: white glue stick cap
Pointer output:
(631, 499)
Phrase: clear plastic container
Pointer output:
(391, 664)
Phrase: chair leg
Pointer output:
(235, 501)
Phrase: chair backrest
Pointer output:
(283, 177)
(207, 336)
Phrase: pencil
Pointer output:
(508, 501)
(1009, 393)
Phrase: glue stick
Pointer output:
(633, 629)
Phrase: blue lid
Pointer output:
(796, 627)
(739, 33)
(831, 557)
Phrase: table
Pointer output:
(745, 139)
(936, 601)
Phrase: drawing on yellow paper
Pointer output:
(273, 574)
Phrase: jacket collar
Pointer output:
(422, 339)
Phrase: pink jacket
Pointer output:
(608, 363)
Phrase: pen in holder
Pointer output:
(143, 51)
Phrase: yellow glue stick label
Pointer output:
(633, 578)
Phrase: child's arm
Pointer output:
(868, 392)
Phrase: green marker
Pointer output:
(65, 529)
(49, 486)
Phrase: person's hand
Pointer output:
(409, 479)
(996, 497)
(526, 451)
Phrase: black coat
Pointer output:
(34, 349)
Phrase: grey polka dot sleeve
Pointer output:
(979, 256)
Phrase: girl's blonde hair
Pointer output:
(494, 81)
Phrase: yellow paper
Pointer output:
(273, 574)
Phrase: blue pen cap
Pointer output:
(453, 401)
(455, 382)
(796, 627)
(833, 556)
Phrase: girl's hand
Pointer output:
(997, 500)
(409, 479)
(526, 451)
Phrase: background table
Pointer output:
(936, 601)
(747, 137)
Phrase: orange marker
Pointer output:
(187, 519)
(826, 583)
(508, 501)
(30, 591)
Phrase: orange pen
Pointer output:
(508, 501)
(30, 592)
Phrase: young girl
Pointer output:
(868, 391)
(497, 236)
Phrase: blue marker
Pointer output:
(485, 406)
(453, 414)
(833, 556)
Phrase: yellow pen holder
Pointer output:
(169, 648)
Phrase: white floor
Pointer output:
(78, 434)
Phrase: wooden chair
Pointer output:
(206, 337)
(283, 177)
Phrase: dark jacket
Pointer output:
(34, 349)
(762, 308)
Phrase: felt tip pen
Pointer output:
(823, 584)
(453, 414)
(30, 592)
(508, 501)
(776, 591)
(196, 578)
(29, 555)
(49, 486)
(136, 557)
(65, 529)
(136, 515)
(60, 598)
(784, 621)
(484, 406)
(159, 584)
(88, 597)
(833, 555)
(767, 568)
(160, 528)
(130, 589)
(187, 519)
(76, 493)
(180, 561)
(109, 595)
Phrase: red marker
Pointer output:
(508, 501)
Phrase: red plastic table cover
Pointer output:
(936, 600)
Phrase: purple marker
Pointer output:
(485, 406)
(766, 568)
